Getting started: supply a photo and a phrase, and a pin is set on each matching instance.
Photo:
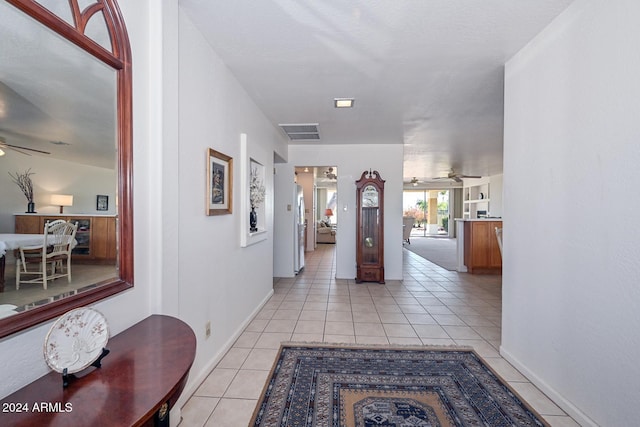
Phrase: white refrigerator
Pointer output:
(299, 229)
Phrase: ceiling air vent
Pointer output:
(301, 131)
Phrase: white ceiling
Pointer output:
(424, 73)
(54, 97)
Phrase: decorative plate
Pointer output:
(76, 340)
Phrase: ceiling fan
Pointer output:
(414, 181)
(329, 174)
(457, 177)
(16, 148)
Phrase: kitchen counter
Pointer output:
(477, 246)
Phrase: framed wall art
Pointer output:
(102, 202)
(253, 193)
(219, 183)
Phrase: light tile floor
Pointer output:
(429, 306)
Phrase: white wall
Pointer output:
(351, 161)
(217, 279)
(572, 260)
(283, 231)
(496, 193)
(52, 176)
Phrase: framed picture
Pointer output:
(253, 197)
(219, 183)
(102, 203)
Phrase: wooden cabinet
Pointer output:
(103, 238)
(370, 228)
(95, 237)
(140, 380)
(481, 250)
(29, 224)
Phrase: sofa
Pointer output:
(325, 233)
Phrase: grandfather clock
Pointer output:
(370, 228)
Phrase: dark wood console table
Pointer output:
(140, 379)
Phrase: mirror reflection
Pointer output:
(58, 128)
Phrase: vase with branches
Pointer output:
(256, 197)
(23, 181)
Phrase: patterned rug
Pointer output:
(374, 386)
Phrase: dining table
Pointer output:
(11, 241)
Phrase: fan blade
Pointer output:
(17, 148)
(469, 176)
(456, 178)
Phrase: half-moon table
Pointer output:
(139, 381)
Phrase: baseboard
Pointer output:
(175, 416)
(557, 398)
(192, 386)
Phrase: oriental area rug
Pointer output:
(313, 386)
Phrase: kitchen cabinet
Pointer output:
(481, 250)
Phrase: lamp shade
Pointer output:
(62, 200)
(328, 212)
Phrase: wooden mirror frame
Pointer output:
(120, 60)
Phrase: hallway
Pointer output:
(430, 306)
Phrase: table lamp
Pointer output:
(328, 213)
(62, 200)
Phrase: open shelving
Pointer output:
(476, 199)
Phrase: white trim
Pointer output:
(193, 386)
(579, 416)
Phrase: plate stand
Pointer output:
(66, 377)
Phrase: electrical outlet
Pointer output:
(207, 329)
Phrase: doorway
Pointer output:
(430, 208)
(432, 233)
(320, 185)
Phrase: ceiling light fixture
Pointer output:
(1, 152)
(343, 102)
(329, 174)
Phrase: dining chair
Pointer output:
(51, 224)
(57, 244)
(407, 227)
(54, 222)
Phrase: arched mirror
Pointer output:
(65, 118)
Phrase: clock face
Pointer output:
(370, 197)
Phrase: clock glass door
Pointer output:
(370, 218)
